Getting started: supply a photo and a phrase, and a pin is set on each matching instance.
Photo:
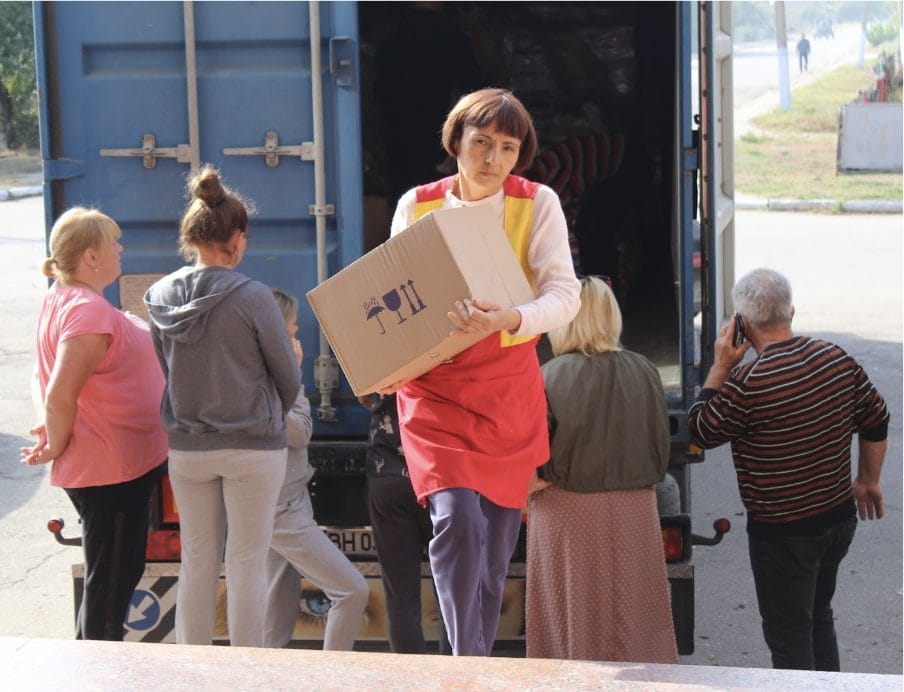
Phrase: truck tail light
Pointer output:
(673, 543)
(163, 546)
(56, 526)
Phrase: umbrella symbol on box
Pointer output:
(373, 309)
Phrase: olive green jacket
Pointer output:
(609, 426)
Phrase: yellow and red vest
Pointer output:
(519, 207)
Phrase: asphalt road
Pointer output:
(847, 278)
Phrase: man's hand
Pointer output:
(727, 355)
(870, 500)
(866, 491)
(480, 317)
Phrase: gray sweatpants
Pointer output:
(238, 487)
(299, 547)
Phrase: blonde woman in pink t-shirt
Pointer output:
(99, 385)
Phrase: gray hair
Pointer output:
(763, 296)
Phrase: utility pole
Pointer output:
(862, 35)
(781, 40)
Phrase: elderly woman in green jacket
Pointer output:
(597, 587)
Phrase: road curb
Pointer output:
(21, 192)
(873, 207)
(866, 206)
(803, 204)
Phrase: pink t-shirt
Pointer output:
(117, 435)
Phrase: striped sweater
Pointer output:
(790, 415)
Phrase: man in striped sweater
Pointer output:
(790, 415)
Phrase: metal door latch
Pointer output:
(271, 150)
(150, 152)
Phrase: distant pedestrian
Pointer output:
(803, 53)
(790, 415)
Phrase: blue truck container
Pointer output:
(304, 107)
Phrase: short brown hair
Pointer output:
(498, 107)
(598, 325)
(213, 215)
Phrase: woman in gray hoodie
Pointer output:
(231, 377)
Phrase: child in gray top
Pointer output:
(299, 548)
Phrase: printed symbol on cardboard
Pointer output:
(373, 310)
(393, 302)
(420, 303)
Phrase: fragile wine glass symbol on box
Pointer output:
(393, 302)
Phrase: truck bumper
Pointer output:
(152, 614)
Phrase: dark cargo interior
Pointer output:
(599, 80)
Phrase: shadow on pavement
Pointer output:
(17, 481)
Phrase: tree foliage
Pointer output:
(18, 93)
(754, 20)
(877, 34)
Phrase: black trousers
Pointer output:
(114, 538)
(402, 530)
(795, 579)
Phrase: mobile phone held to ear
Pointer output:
(740, 333)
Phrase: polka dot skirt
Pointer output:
(596, 579)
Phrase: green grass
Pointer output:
(794, 154)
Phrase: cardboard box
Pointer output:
(385, 314)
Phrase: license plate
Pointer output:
(354, 542)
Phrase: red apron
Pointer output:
(479, 421)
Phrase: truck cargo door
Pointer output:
(717, 171)
(135, 95)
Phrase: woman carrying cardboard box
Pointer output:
(474, 428)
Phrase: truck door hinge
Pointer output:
(62, 169)
(326, 373)
(321, 209)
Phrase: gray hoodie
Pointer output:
(231, 375)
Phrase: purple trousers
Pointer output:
(473, 541)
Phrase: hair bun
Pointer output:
(206, 186)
